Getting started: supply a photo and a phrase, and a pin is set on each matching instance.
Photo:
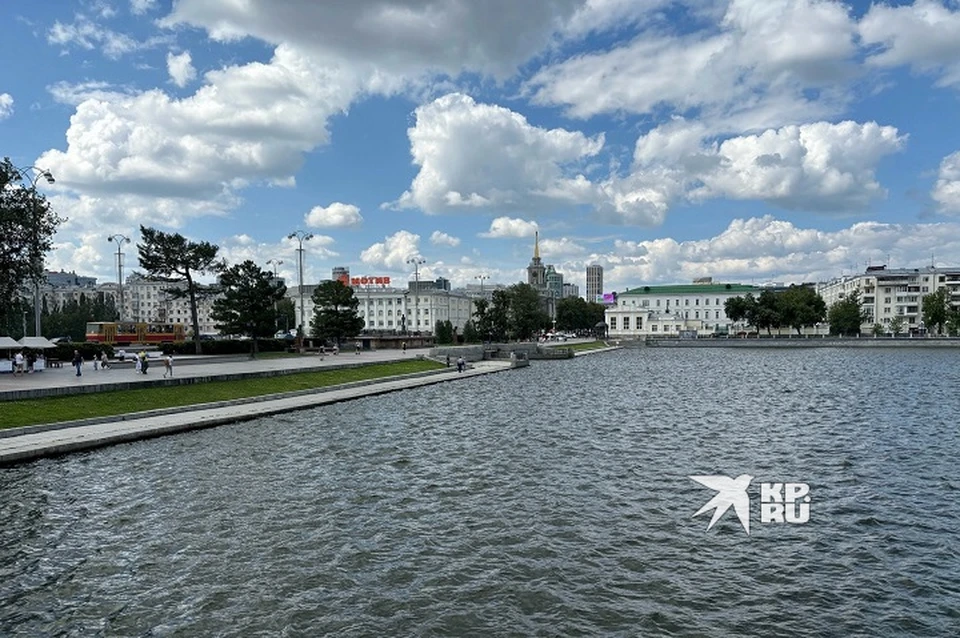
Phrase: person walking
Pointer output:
(77, 361)
(168, 365)
(137, 363)
(18, 363)
(144, 361)
(359, 345)
(96, 362)
(104, 362)
(461, 364)
(403, 346)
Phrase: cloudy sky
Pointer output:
(747, 140)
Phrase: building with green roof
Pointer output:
(674, 310)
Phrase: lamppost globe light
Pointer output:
(417, 261)
(120, 240)
(300, 236)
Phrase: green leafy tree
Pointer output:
(443, 332)
(484, 323)
(498, 316)
(526, 315)
(286, 314)
(800, 306)
(247, 301)
(847, 316)
(936, 309)
(575, 313)
(470, 334)
(878, 330)
(70, 319)
(896, 325)
(27, 227)
(767, 312)
(175, 259)
(335, 312)
(741, 309)
(953, 322)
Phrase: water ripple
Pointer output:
(552, 501)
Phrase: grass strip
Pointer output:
(114, 402)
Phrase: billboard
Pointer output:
(609, 299)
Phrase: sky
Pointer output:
(751, 141)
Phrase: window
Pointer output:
(696, 302)
(626, 323)
(696, 314)
(653, 327)
(686, 302)
(613, 323)
(658, 303)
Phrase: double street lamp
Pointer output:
(276, 263)
(417, 261)
(21, 174)
(301, 236)
(482, 278)
(120, 240)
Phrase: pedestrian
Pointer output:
(121, 355)
(77, 361)
(144, 362)
(31, 361)
(359, 345)
(168, 365)
(96, 362)
(403, 346)
(448, 361)
(461, 364)
(18, 361)
(104, 362)
(137, 364)
(336, 349)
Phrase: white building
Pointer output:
(387, 309)
(895, 292)
(651, 311)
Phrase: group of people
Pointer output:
(141, 362)
(24, 361)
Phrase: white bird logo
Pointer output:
(729, 492)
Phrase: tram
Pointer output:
(126, 333)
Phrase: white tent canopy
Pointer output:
(9, 343)
(36, 343)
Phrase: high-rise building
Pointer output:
(594, 282)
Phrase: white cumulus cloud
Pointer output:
(336, 215)
(510, 227)
(946, 192)
(480, 155)
(6, 105)
(438, 238)
(394, 251)
(180, 68)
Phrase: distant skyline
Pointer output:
(744, 140)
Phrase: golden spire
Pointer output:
(536, 244)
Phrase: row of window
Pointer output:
(645, 303)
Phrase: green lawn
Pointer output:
(110, 403)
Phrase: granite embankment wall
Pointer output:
(800, 342)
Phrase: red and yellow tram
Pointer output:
(125, 333)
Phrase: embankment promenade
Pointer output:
(800, 342)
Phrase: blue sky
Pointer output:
(751, 141)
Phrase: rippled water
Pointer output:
(549, 501)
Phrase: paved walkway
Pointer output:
(24, 444)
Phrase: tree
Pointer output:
(174, 259)
(953, 322)
(847, 315)
(743, 309)
(335, 312)
(70, 319)
(470, 334)
(801, 306)
(896, 325)
(574, 313)
(498, 316)
(878, 330)
(27, 226)
(443, 332)
(246, 304)
(936, 309)
(526, 316)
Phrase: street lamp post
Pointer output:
(276, 263)
(300, 236)
(417, 261)
(120, 241)
(38, 258)
(481, 278)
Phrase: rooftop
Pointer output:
(692, 289)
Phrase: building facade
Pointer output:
(672, 311)
(886, 293)
(594, 290)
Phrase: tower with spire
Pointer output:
(536, 271)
